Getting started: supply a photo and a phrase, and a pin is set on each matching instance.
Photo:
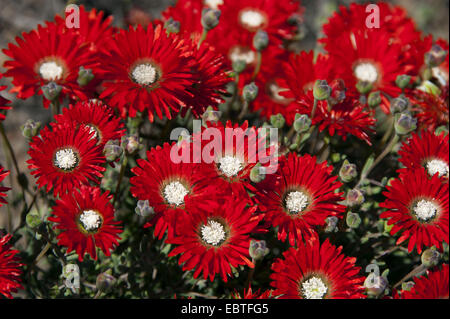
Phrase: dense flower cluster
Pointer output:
(263, 138)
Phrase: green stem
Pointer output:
(243, 111)
(258, 64)
(121, 174)
(55, 107)
(202, 38)
(414, 272)
(10, 149)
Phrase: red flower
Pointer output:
(432, 110)
(426, 150)
(65, 158)
(146, 71)
(214, 240)
(86, 220)
(316, 271)
(250, 294)
(169, 187)
(432, 286)
(96, 116)
(9, 268)
(3, 102)
(3, 175)
(417, 206)
(47, 55)
(299, 198)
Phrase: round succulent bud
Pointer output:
(51, 90)
(430, 257)
(436, 56)
(331, 224)
(375, 284)
(112, 150)
(403, 80)
(172, 26)
(210, 18)
(353, 220)
(338, 90)
(429, 87)
(105, 281)
(144, 209)
(277, 121)
(374, 99)
(321, 90)
(364, 87)
(258, 173)
(84, 76)
(260, 40)
(250, 92)
(258, 249)
(399, 104)
(355, 197)
(302, 123)
(407, 286)
(33, 219)
(132, 143)
(30, 128)
(348, 172)
(239, 66)
(404, 123)
(211, 115)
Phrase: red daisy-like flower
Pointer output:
(431, 110)
(299, 198)
(214, 240)
(345, 117)
(96, 116)
(65, 158)
(47, 55)
(3, 174)
(250, 294)
(85, 218)
(432, 286)
(169, 185)
(417, 206)
(427, 150)
(146, 70)
(317, 271)
(9, 268)
(4, 103)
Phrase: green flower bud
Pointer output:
(51, 90)
(375, 285)
(250, 92)
(211, 115)
(33, 219)
(430, 88)
(354, 197)
(441, 129)
(258, 173)
(131, 143)
(353, 220)
(430, 257)
(338, 90)
(258, 249)
(105, 281)
(30, 128)
(348, 172)
(374, 99)
(399, 104)
(239, 66)
(331, 224)
(84, 76)
(172, 26)
(364, 87)
(302, 123)
(112, 150)
(436, 56)
(210, 18)
(144, 209)
(277, 121)
(404, 123)
(321, 90)
(402, 81)
(260, 40)
(407, 286)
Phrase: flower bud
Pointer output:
(258, 173)
(355, 197)
(338, 90)
(112, 150)
(430, 87)
(430, 257)
(364, 87)
(211, 115)
(105, 281)
(250, 92)
(375, 284)
(144, 209)
(210, 18)
(84, 76)
(302, 123)
(239, 66)
(399, 104)
(33, 219)
(258, 249)
(260, 40)
(172, 26)
(321, 90)
(407, 286)
(436, 56)
(331, 224)
(30, 128)
(51, 90)
(131, 143)
(403, 80)
(277, 121)
(374, 99)
(348, 172)
(353, 220)
(404, 123)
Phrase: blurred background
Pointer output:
(17, 16)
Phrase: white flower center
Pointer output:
(366, 72)
(230, 165)
(251, 18)
(214, 4)
(437, 166)
(174, 193)
(213, 233)
(50, 71)
(314, 288)
(66, 159)
(296, 202)
(240, 54)
(425, 210)
(91, 220)
(144, 74)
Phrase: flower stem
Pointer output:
(413, 273)
(121, 174)
(202, 38)
(258, 64)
